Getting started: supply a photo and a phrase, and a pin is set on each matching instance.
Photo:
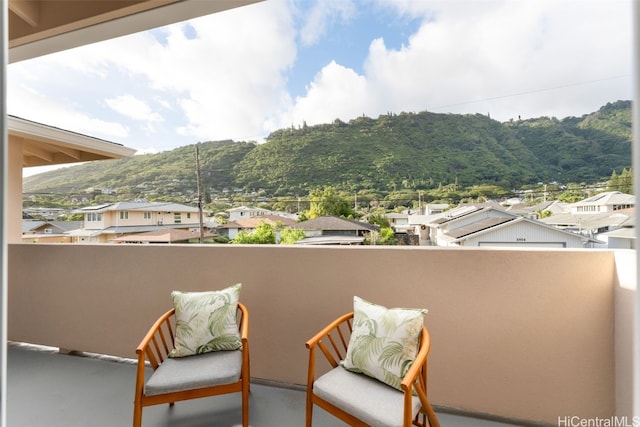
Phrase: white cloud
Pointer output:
(27, 103)
(225, 75)
(318, 20)
(335, 92)
(130, 106)
(559, 57)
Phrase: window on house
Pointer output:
(147, 215)
(124, 214)
(177, 217)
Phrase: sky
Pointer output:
(244, 73)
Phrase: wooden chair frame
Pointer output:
(333, 342)
(155, 347)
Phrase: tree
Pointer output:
(289, 235)
(622, 182)
(263, 234)
(379, 219)
(328, 202)
(385, 236)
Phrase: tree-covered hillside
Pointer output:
(416, 151)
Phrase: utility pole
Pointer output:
(199, 195)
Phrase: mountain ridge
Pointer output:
(405, 150)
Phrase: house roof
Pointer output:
(29, 225)
(335, 223)
(608, 198)
(62, 226)
(452, 214)
(509, 223)
(626, 233)
(590, 220)
(255, 221)
(166, 235)
(331, 240)
(246, 209)
(477, 226)
(48, 145)
(138, 206)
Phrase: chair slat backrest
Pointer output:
(334, 341)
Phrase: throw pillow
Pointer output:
(206, 321)
(384, 342)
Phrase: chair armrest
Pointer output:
(328, 329)
(337, 336)
(419, 362)
(416, 379)
(151, 336)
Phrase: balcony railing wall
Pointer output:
(523, 334)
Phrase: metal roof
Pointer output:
(335, 223)
(139, 206)
(331, 240)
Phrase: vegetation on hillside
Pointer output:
(395, 160)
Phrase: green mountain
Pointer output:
(407, 150)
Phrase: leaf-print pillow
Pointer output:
(206, 321)
(384, 342)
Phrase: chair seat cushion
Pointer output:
(371, 401)
(192, 372)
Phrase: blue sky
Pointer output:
(244, 73)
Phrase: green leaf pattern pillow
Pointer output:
(384, 342)
(206, 321)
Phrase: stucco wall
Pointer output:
(523, 334)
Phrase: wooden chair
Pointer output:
(190, 377)
(362, 401)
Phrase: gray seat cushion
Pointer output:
(370, 400)
(192, 372)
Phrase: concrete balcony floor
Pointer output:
(51, 389)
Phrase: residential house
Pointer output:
(410, 225)
(331, 230)
(533, 212)
(435, 208)
(242, 212)
(106, 222)
(623, 237)
(231, 229)
(48, 231)
(488, 226)
(398, 220)
(610, 201)
(591, 224)
(48, 214)
(597, 215)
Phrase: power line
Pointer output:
(529, 92)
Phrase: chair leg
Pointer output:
(309, 412)
(137, 415)
(245, 403)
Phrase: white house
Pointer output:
(472, 226)
(610, 201)
(243, 212)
